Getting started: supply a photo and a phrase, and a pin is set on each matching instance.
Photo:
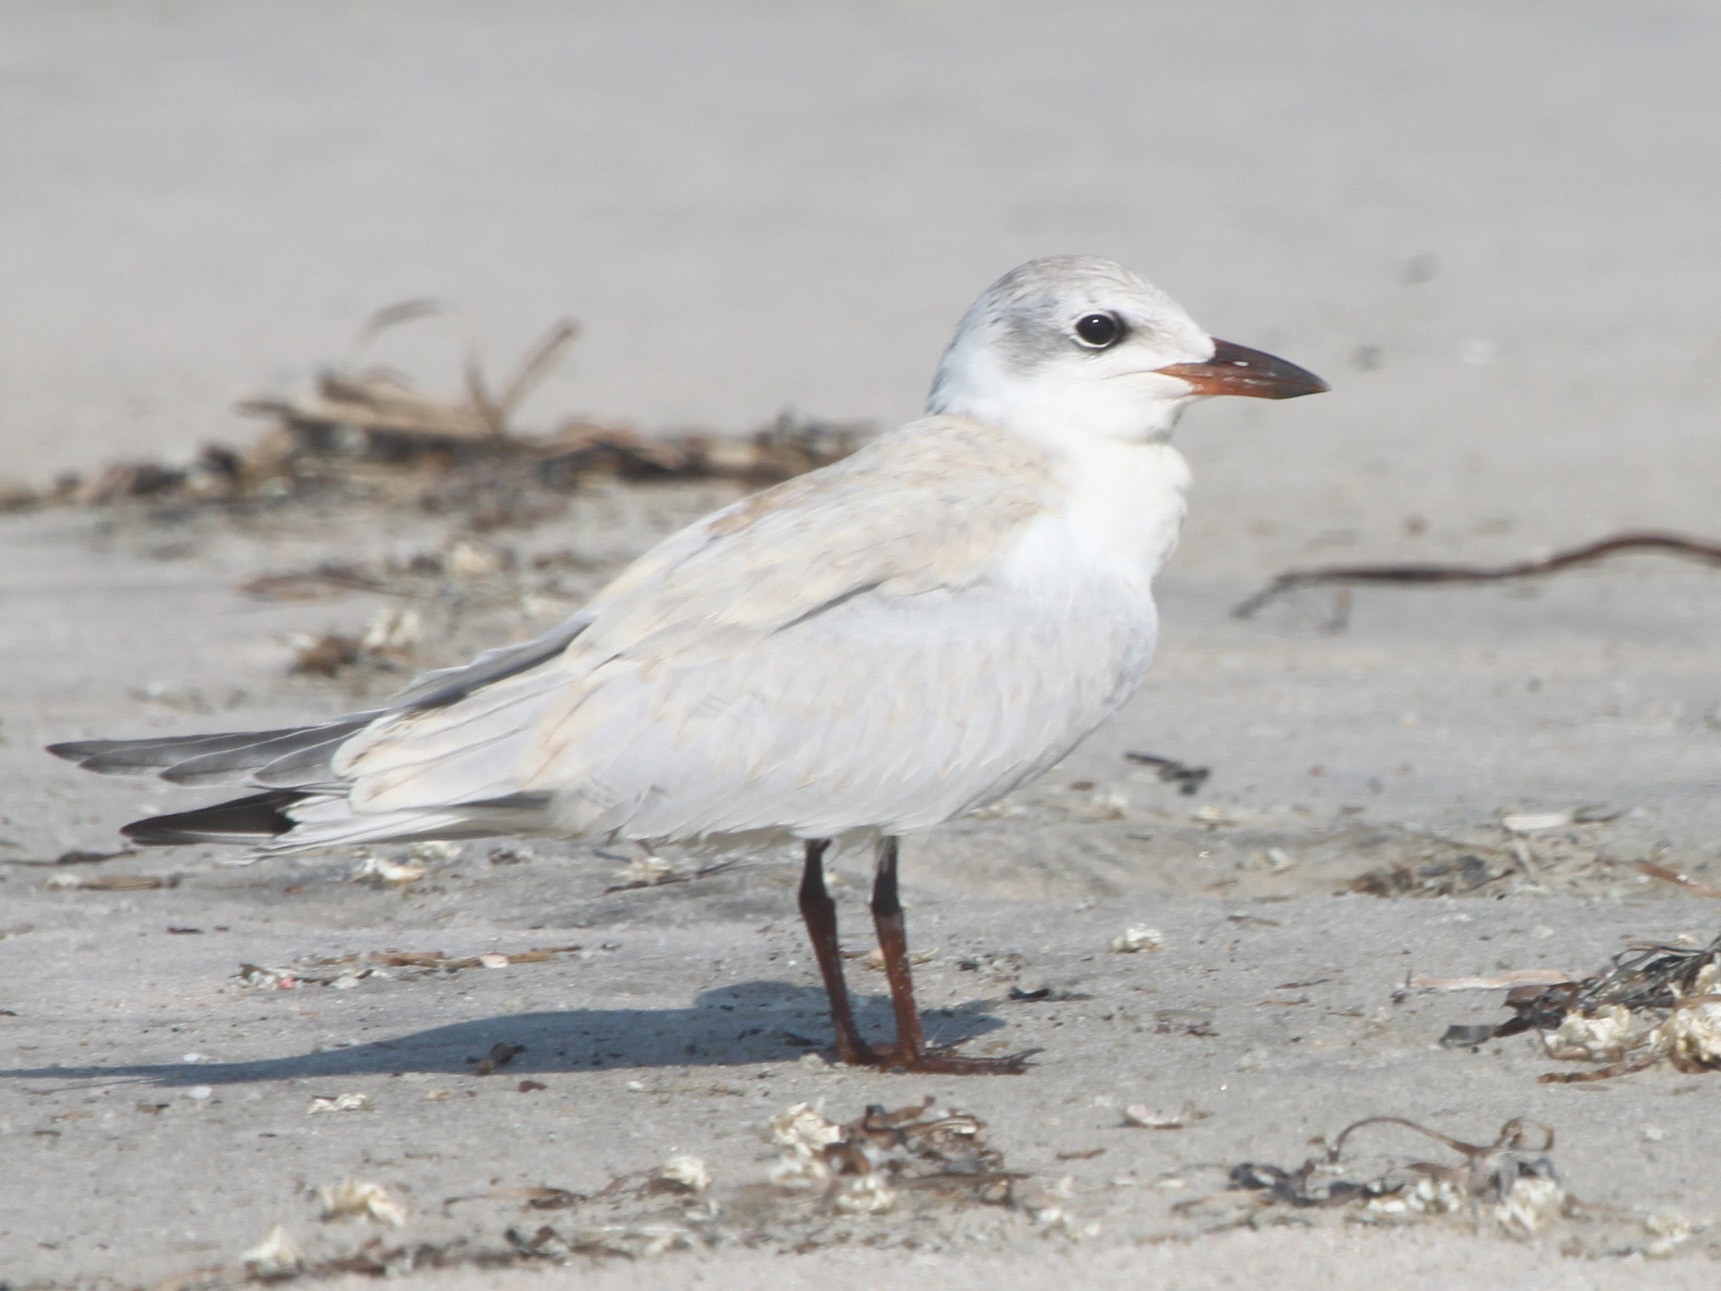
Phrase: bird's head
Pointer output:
(1080, 343)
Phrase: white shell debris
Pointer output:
(394, 629)
(276, 1256)
(1108, 804)
(1669, 1231)
(436, 850)
(360, 1199)
(1140, 1114)
(1044, 1203)
(1693, 1033)
(1136, 939)
(804, 1130)
(803, 1133)
(339, 1103)
(1530, 1205)
(688, 1171)
(1535, 822)
(1216, 817)
(866, 1194)
(646, 871)
(1427, 1196)
(467, 559)
(378, 867)
(1601, 1037)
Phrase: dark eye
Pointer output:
(1099, 330)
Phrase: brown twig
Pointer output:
(1695, 886)
(1671, 544)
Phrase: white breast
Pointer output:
(1121, 509)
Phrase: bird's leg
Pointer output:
(820, 914)
(910, 1052)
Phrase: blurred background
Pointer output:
(1491, 226)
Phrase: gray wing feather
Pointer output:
(203, 759)
(888, 713)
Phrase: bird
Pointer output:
(854, 655)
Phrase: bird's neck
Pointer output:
(1117, 512)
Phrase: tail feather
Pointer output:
(303, 803)
(217, 759)
(140, 757)
(304, 767)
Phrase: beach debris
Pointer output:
(1449, 876)
(276, 1257)
(329, 577)
(1498, 981)
(537, 1197)
(369, 430)
(1195, 1022)
(1652, 1004)
(1535, 822)
(501, 1054)
(683, 1173)
(628, 1241)
(1143, 1117)
(1136, 939)
(869, 1164)
(342, 971)
(647, 870)
(1187, 778)
(339, 1103)
(1671, 544)
(382, 870)
(360, 1199)
(1213, 817)
(111, 882)
(1694, 886)
(387, 644)
(377, 410)
(1509, 1185)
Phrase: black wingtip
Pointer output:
(239, 820)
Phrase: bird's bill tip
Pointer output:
(1253, 374)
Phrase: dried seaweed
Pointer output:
(1442, 878)
(1653, 1003)
(1509, 1184)
(1187, 778)
(368, 431)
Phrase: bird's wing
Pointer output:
(882, 711)
(776, 665)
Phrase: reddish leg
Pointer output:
(910, 1052)
(820, 914)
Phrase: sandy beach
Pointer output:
(1490, 228)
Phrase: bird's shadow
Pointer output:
(752, 1022)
